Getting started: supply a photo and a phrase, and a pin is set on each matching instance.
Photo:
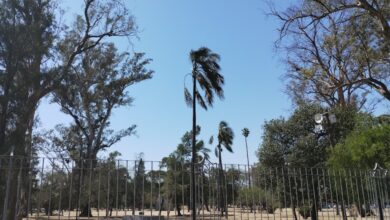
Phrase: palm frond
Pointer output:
(207, 87)
(245, 132)
(188, 97)
(201, 101)
(206, 69)
(225, 136)
(211, 140)
(216, 151)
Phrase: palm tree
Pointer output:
(225, 139)
(205, 72)
(245, 133)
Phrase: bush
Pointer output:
(256, 196)
(304, 211)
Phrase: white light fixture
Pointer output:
(318, 128)
(318, 118)
(332, 118)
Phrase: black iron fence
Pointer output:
(48, 188)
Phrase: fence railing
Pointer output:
(48, 188)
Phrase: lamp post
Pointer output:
(329, 119)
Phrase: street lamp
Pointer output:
(329, 119)
(319, 119)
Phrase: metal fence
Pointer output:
(47, 188)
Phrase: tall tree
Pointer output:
(362, 148)
(245, 133)
(31, 67)
(97, 86)
(225, 140)
(176, 181)
(337, 51)
(205, 72)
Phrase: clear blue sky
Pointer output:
(237, 30)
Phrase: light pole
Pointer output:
(329, 119)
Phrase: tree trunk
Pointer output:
(313, 212)
(249, 170)
(221, 200)
(193, 206)
(247, 159)
(294, 212)
(343, 211)
(86, 211)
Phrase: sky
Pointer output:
(239, 31)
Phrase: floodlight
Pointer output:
(318, 128)
(332, 118)
(318, 118)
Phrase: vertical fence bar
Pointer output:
(50, 181)
(247, 190)
(127, 176)
(40, 186)
(318, 188)
(90, 169)
(151, 187)
(290, 191)
(325, 189)
(233, 196)
(296, 189)
(99, 184)
(108, 205)
(116, 187)
(314, 193)
(364, 201)
(284, 192)
(302, 187)
(143, 192)
(134, 187)
(159, 191)
(30, 170)
(70, 188)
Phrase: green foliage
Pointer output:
(38, 53)
(304, 210)
(250, 196)
(245, 132)
(206, 72)
(176, 184)
(96, 86)
(225, 137)
(363, 148)
(294, 141)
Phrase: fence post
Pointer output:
(7, 188)
(376, 181)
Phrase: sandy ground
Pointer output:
(234, 214)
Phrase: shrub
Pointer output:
(304, 211)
